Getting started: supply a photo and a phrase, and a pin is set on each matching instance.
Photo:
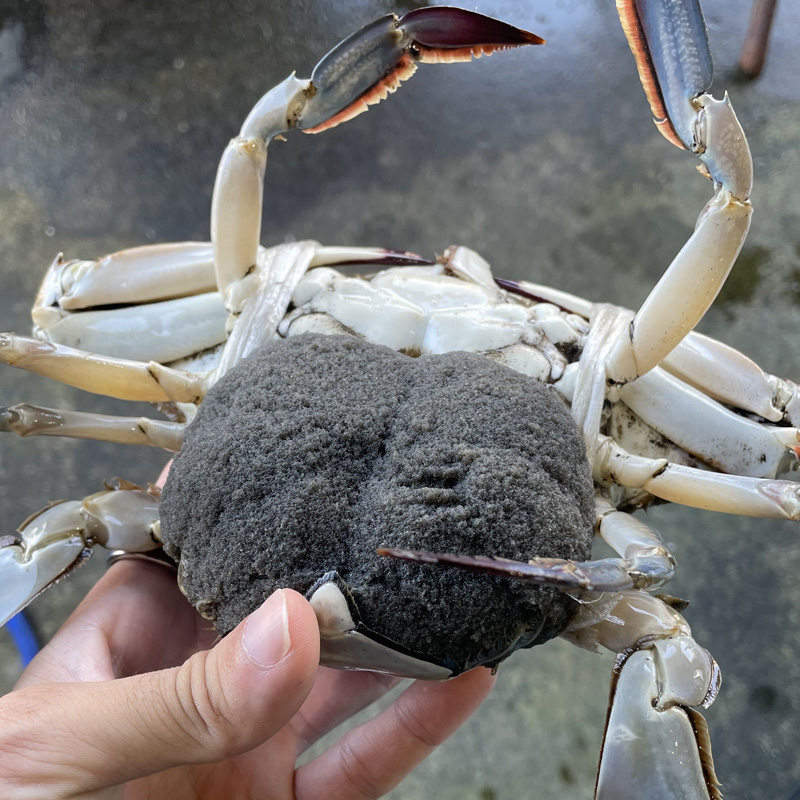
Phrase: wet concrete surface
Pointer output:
(112, 118)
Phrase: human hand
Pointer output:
(105, 711)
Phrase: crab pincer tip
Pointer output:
(444, 33)
(418, 556)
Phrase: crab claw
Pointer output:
(56, 540)
(50, 547)
(369, 65)
(670, 45)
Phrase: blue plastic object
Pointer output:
(24, 637)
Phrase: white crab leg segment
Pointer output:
(669, 42)
(351, 256)
(236, 210)
(729, 442)
(645, 557)
(59, 538)
(725, 374)
(360, 71)
(730, 494)
(162, 332)
(115, 377)
(138, 275)
(261, 300)
(655, 745)
(27, 420)
(539, 293)
(695, 276)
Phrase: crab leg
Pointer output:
(725, 374)
(172, 310)
(670, 45)
(731, 377)
(646, 562)
(698, 488)
(727, 441)
(260, 300)
(655, 744)
(59, 538)
(720, 371)
(357, 73)
(115, 377)
(164, 272)
(137, 275)
(163, 331)
(27, 420)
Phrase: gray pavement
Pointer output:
(112, 118)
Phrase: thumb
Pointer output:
(77, 737)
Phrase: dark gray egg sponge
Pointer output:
(319, 449)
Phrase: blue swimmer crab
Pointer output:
(502, 321)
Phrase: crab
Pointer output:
(457, 262)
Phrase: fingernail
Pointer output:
(266, 632)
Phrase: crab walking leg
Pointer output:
(164, 331)
(717, 369)
(670, 45)
(727, 441)
(360, 71)
(27, 420)
(731, 377)
(261, 299)
(656, 745)
(730, 494)
(332, 256)
(115, 377)
(646, 562)
(725, 374)
(57, 539)
(165, 272)
(138, 275)
(644, 556)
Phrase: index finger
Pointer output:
(373, 758)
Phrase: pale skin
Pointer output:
(135, 698)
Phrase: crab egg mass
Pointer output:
(318, 450)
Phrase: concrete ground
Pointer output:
(112, 117)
